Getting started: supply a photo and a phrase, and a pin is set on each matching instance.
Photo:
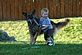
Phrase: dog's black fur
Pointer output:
(34, 27)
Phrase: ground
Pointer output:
(41, 49)
(68, 40)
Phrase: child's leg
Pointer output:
(48, 35)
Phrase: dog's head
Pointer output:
(29, 16)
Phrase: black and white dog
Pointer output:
(34, 27)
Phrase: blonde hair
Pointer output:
(44, 10)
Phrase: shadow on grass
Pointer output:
(40, 49)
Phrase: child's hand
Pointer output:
(45, 26)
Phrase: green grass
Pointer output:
(25, 49)
(68, 40)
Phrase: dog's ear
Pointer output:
(25, 14)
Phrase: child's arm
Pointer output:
(44, 27)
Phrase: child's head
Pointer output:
(44, 12)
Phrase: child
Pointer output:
(46, 26)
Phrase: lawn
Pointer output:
(68, 40)
(25, 49)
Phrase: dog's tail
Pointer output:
(61, 24)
